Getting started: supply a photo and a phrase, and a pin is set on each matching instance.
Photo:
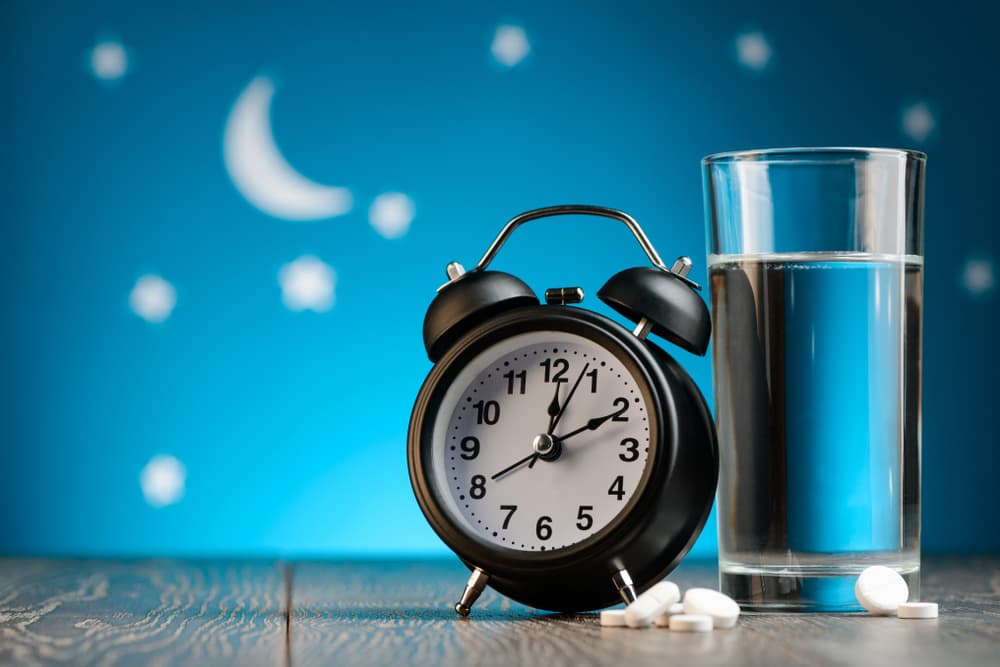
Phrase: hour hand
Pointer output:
(591, 425)
(553, 409)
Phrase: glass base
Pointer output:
(787, 589)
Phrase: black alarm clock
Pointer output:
(568, 461)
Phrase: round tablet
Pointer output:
(613, 618)
(917, 610)
(691, 623)
(722, 608)
(881, 590)
(663, 620)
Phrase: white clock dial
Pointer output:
(513, 480)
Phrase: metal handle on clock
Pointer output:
(572, 209)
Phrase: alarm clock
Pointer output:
(568, 461)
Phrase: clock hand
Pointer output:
(555, 414)
(553, 409)
(552, 426)
(591, 425)
(533, 457)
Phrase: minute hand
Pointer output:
(591, 425)
(555, 420)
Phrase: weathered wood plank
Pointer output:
(392, 612)
(398, 612)
(141, 612)
(967, 632)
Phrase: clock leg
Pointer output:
(623, 583)
(475, 586)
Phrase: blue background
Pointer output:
(292, 425)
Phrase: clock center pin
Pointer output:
(546, 447)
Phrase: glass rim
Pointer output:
(802, 154)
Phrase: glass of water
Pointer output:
(816, 272)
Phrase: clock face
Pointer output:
(541, 441)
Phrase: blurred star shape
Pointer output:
(162, 480)
(510, 45)
(109, 60)
(753, 51)
(391, 214)
(978, 277)
(918, 121)
(307, 284)
(152, 298)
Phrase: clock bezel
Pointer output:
(628, 523)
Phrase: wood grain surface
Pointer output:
(165, 612)
(142, 613)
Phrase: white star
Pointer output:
(753, 51)
(918, 121)
(510, 45)
(109, 60)
(307, 283)
(391, 214)
(977, 277)
(152, 298)
(162, 480)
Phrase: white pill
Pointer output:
(663, 620)
(613, 618)
(651, 604)
(691, 623)
(722, 608)
(881, 590)
(917, 610)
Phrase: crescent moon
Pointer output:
(259, 171)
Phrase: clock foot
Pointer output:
(473, 588)
(623, 582)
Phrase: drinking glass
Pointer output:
(816, 273)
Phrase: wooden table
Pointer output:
(164, 612)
